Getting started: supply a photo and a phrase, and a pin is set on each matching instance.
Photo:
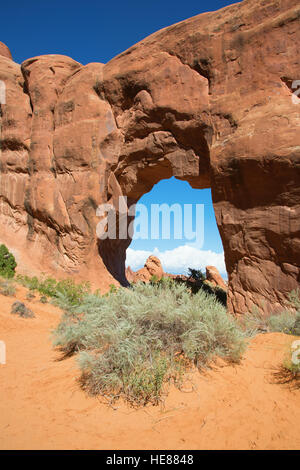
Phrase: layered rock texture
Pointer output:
(208, 100)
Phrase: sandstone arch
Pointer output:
(207, 100)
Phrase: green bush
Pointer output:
(71, 292)
(154, 279)
(7, 263)
(135, 341)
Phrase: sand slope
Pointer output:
(230, 407)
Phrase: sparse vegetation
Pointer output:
(73, 293)
(30, 295)
(7, 287)
(20, 309)
(289, 372)
(195, 282)
(7, 263)
(287, 321)
(196, 275)
(135, 341)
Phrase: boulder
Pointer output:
(214, 277)
(152, 267)
(4, 51)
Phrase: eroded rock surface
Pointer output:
(208, 100)
(214, 277)
(151, 268)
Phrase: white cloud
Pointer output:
(178, 260)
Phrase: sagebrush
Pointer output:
(134, 341)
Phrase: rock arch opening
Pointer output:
(176, 223)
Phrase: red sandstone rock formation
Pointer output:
(208, 100)
(130, 275)
(214, 277)
(4, 51)
(152, 267)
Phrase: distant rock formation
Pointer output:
(152, 267)
(4, 51)
(207, 100)
(214, 277)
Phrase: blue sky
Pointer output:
(96, 31)
(89, 30)
(178, 255)
(173, 191)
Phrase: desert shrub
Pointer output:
(163, 282)
(294, 298)
(135, 341)
(196, 274)
(197, 281)
(30, 296)
(7, 287)
(287, 321)
(7, 263)
(112, 289)
(296, 326)
(220, 294)
(32, 283)
(50, 287)
(154, 279)
(20, 309)
(289, 371)
(43, 299)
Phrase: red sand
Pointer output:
(230, 407)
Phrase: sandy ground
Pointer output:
(230, 407)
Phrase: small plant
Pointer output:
(166, 282)
(296, 327)
(289, 372)
(7, 288)
(43, 299)
(112, 289)
(20, 309)
(7, 263)
(30, 296)
(154, 279)
(66, 289)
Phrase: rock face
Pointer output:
(151, 268)
(214, 277)
(4, 51)
(207, 100)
